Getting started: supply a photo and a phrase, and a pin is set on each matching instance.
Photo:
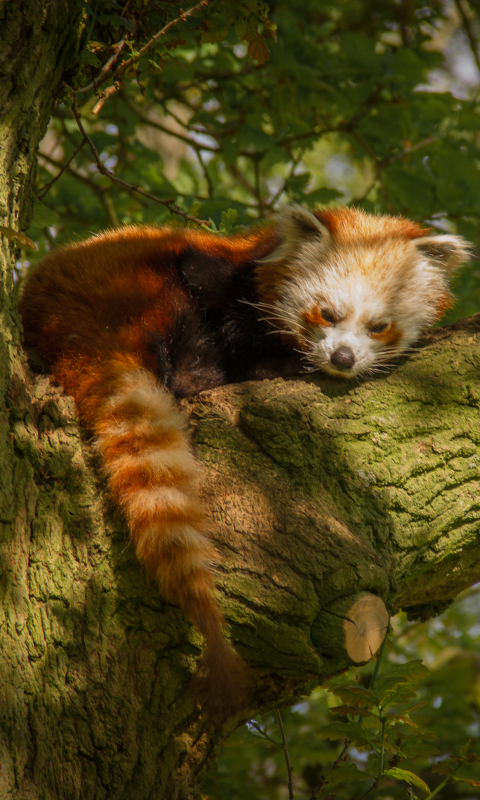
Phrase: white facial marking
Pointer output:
(357, 296)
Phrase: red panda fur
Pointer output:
(132, 317)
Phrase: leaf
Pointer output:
(240, 28)
(322, 195)
(89, 58)
(402, 693)
(174, 43)
(403, 718)
(466, 780)
(409, 777)
(355, 711)
(258, 50)
(443, 767)
(344, 773)
(116, 21)
(229, 219)
(158, 66)
(212, 37)
(411, 672)
(348, 730)
(23, 241)
(43, 217)
(355, 695)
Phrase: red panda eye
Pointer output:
(379, 327)
(328, 316)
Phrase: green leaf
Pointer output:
(86, 57)
(212, 37)
(355, 711)
(229, 219)
(344, 773)
(240, 28)
(354, 695)
(322, 195)
(408, 777)
(43, 217)
(348, 730)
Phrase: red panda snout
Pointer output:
(343, 358)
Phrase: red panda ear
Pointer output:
(449, 252)
(296, 225)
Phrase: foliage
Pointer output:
(412, 725)
(202, 121)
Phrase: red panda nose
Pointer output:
(343, 358)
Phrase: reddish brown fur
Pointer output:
(314, 318)
(390, 336)
(349, 225)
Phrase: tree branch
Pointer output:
(105, 171)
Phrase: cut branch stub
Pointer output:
(352, 627)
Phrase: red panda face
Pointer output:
(356, 290)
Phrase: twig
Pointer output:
(43, 191)
(286, 754)
(106, 67)
(468, 30)
(254, 724)
(109, 174)
(411, 149)
(335, 764)
(365, 794)
(183, 15)
(103, 97)
(158, 126)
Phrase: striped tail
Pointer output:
(152, 472)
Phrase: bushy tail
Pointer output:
(151, 472)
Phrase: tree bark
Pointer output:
(330, 503)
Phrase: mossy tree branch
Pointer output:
(320, 495)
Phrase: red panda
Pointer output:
(134, 317)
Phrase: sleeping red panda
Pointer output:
(133, 317)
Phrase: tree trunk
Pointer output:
(330, 506)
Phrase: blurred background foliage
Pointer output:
(244, 106)
(371, 102)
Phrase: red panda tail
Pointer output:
(151, 473)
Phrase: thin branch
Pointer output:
(254, 724)
(109, 174)
(159, 127)
(411, 149)
(295, 161)
(240, 177)
(118, 47)
(183, 15)
(460, 6)
(43, 191)
(103, 97)
(78, 175)
(369, 791)
(335, 764)
(286, 754)
(206, 174)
